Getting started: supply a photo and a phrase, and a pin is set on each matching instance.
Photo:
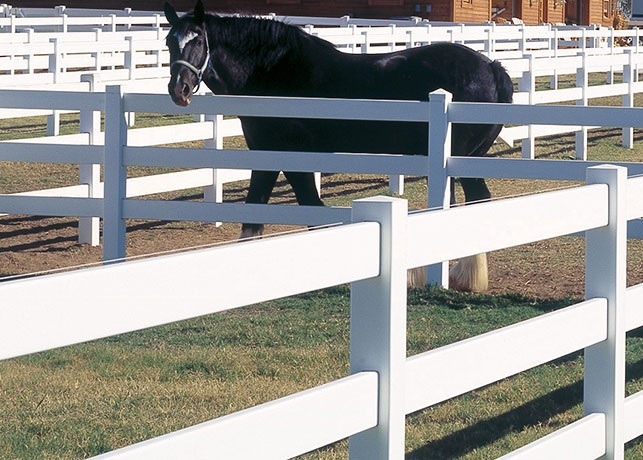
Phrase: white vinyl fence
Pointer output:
(117, 61)
(124, 147)
(65, 20)
(495, 40)
(374, 251)
(137, 58)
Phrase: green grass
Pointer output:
(88, 399)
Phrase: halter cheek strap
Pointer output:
(198, 72)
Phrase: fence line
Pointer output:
(122, 149)
(370, 404)
(143, 53)
(529, 68)
(62, 19)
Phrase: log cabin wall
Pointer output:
(601, 12)
(472, 10)
(553, 12)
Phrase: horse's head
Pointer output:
(189, 52)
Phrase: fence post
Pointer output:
(528, 84)
(396, 184)
(55, 68)
(628, 99)
(31, 34)
(98, 54)
(89, 174)
(489, 44)
(378, 329)
(582, 81)
(609, 78)
(130, 58)
(214, 193)
(130, 64)
(553, 84)
(115, 175)
(605, 277)
(439, 183)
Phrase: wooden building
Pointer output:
(578, 12)
(582, 12)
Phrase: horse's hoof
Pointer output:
(470, 274)
(416, 277)
(248, 233)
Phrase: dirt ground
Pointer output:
(547, 269)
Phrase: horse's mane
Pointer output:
(268, 36)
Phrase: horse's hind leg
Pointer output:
(475, 190)
(261, 185)
(470, 273)
(303, 184)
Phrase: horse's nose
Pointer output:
(180, 92)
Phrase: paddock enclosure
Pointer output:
(375, 245)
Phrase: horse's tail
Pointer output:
(504, 85)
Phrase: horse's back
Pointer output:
(404, 75)
(416, 72)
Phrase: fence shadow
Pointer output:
(493, 429)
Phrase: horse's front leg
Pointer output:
(261, 185)
(470, 273)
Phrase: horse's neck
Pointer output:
(245, 53)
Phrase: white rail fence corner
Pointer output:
(375, 251)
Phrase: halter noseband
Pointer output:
(198, 72)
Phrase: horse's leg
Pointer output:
(416, 277)
(303, 184)
(470, 273)
(475, 190)
(261, 185)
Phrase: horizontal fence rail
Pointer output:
(44, 322)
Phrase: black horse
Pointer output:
(263, 57)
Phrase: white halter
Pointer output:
(198, 72)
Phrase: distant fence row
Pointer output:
(136, 60)
(31, 57)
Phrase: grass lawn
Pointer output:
(91, 398)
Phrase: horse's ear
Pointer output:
(199, 12)
(170, 14)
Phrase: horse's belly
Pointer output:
(336, 136)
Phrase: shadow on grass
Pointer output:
(488, 431)
(485, 432)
